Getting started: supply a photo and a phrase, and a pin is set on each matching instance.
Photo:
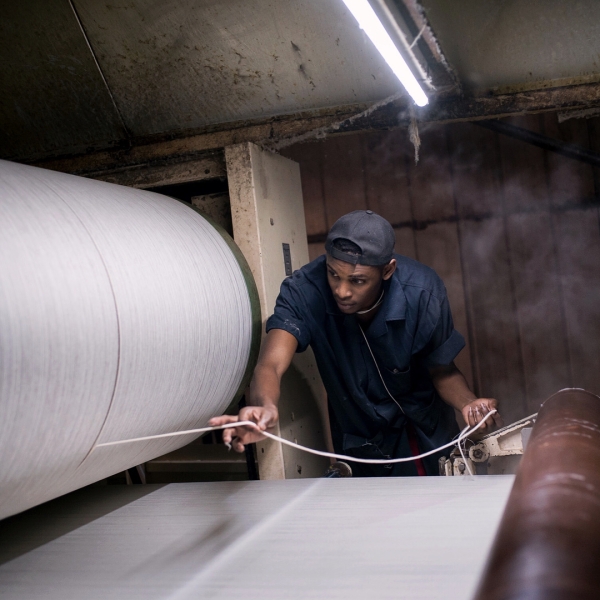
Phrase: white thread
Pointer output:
(418, 37)
(368, 310)
(464, 458)
(122, 312)
(367, 461)
(380, 376)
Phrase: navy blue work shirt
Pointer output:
(411, 332)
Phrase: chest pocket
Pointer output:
(398, 382)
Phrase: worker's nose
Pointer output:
(343, 292)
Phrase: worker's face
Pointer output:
(356, 287)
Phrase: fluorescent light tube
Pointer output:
(370, 23)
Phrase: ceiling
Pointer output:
(512, 45)
(83, 75)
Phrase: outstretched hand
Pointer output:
(265, 418)
(475, 411)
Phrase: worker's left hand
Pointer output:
(475, 411)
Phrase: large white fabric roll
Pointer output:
(123, 313)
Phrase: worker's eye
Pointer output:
(358, 281)
(331, 274)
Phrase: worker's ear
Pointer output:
(389, 269)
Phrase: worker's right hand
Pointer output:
(265, 418)
(475, 411)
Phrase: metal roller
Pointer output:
(123, 313)
(548, 543)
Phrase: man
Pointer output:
(382, 333)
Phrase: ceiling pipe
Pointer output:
(541, 141)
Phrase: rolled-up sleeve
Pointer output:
(288, 315)
(445, 342)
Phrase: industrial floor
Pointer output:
(413, 538)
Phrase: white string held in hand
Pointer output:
(368, 461)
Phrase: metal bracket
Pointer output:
(509, 440)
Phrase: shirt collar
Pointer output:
(393, 308)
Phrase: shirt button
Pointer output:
(395, 371)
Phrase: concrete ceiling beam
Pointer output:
(278, 132)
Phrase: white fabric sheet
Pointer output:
(404, 538)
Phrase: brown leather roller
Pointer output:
(548, 543)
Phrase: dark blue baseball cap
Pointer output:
(373, 235)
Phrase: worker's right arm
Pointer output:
(275, 357)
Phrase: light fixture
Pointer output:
(372, 26)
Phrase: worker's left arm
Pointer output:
(453, 389)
